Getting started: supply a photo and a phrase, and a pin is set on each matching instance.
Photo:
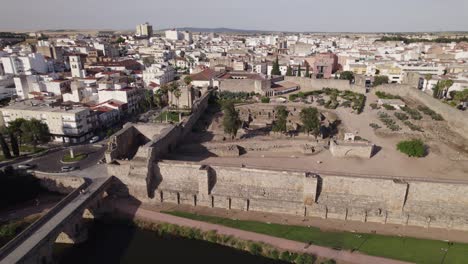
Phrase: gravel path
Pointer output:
(339, 255)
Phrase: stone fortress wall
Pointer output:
(149, 143)
(324, 195)
(345, 196)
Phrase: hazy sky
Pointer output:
(281, 15)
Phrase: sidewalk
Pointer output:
(339, 255)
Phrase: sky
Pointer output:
(277, 15)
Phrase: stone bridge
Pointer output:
(64, 223)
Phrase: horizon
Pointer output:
(362, 16)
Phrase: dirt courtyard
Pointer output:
(447, 157)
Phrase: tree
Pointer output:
(35, 132)
(347, 75)
(412, 148)
(14, 145)
(120, 40)
(147, 61)
(175, 91)
(441, 88)
(381, 79)
(265, 100)
(299, 70)
(158, 98)
(5, 148)
(231, 120)
(310, 120)
(281, 119)
(307, 73)
(14, 127)
(187, 80)
(276, 68)
(289, 71)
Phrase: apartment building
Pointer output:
(67, 124)
(29, 64)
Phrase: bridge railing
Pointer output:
(21, 237)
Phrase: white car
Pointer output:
(25, 166)
(94, 140)
(68, 168)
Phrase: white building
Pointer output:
(130, 96)
(77, 67)
(174, 35)
(30, 64)
(158, 73)
(144, 30)
(66, 124)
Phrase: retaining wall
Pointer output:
(364, 199)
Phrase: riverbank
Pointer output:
(116, 241)
(400, 248)
(136, 212)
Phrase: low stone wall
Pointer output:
(308, 84)
(342, 149)
(59, 184)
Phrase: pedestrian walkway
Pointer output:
(324, 252)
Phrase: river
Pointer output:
(119, 243)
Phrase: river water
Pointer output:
(119, 243)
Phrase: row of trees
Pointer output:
(309, 118)
(21, 131)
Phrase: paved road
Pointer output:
(52, 162)
(341, 255)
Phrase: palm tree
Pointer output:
(187, 80)
(177, 93)
(173, 88)
(158, 97)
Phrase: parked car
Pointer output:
(94, 140)
(68, 168)
(26, 166)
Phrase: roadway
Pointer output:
(52, 162)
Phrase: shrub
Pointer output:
(388, 121)
(346, 104)
(412, 112)
(374, 126)
(374, 106)
(384, 95)
(255, 248)
(274, 254)
(331, 104)
(412, 148)
(304, 259)
(292, 97)
(378, 80)
(401, 116)
(426, 110)
(321, 101)
(413, 126)
(388, 107)
(286, 256)
(265, 100)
